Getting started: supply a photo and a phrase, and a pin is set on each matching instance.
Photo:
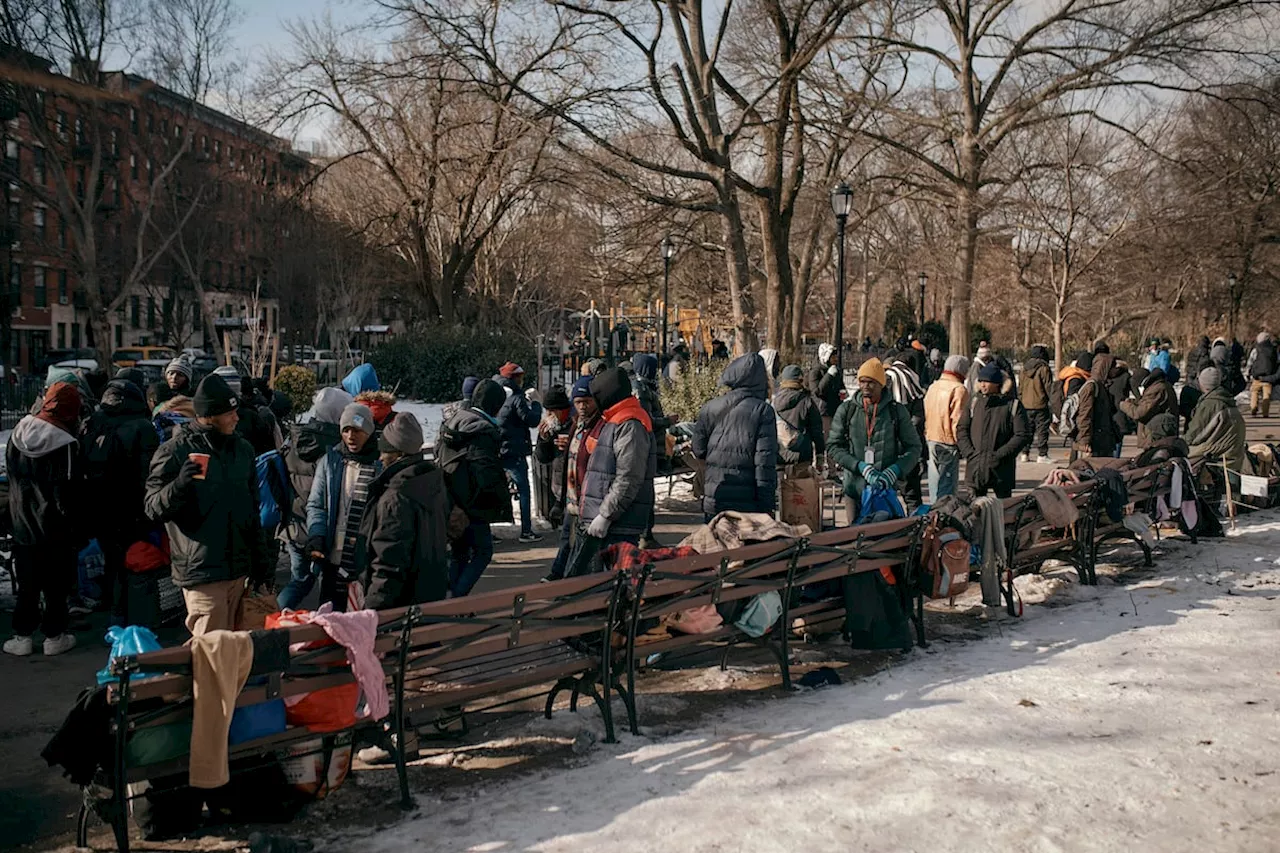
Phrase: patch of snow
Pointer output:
(430, 415)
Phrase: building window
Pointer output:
(75, 336)
(11, 155)
(63, 296)
(151, 312)
(115, 143)
(79, 131)
(195, 316)
(133, 166)
(177, 131)
(204, 143)
(164, 127)
(15, 283)
(62, 335)
(151, 123)
(217, 150)
(62, 233)
(119, 336)
(37, 222)
(41, 294)
(133, 119)
(135, 311)
(38, 172)
(15, 223)
(61, 123)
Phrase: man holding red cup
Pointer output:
(203, 485)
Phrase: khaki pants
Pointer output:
(1260, 398)
(214, 606)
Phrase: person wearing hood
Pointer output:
(572, 455)
(946, 400)
(171, 413)
(517, 416)
(872, 438)
(644, 385)
(617, 490)
(251, 425)
(992, 431)
(1163, 442)
(1035, 393)
(1070, 380)
(549, 449)
(1157, 356)
(1217, 429)
(338, 502)
(45, 477)
(406, 523)
(1156, 397)
(117, 446)
(1263, 372)
(468, 388)
(363, 385)
(736, 434)
(178, 375)
(1197, 359)
(307, 445)
(203, 486)
(1095, 418)
(801, 439)
(1121, 386)
(772, 366)
(468, 455)
(825, 382)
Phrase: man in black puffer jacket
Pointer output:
(517, 416)
(737, 435)
(991, 434)
(1264, 372)
(204, 487)
(118, 445)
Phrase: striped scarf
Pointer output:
(355, 515)
(903, 383)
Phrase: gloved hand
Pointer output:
(866, 469)
(187, 475)
(599, 527)
(889, 477)
(833, 371)
(315, 547)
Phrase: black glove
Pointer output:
(315, 545)
(187, 475)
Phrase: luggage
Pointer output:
(944, 562)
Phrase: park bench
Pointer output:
(1029, 544)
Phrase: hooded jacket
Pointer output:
(325, 500)
(1197, 360)
(737, 435)
(1157, 397)
(1262, 362)
(1070, 379)
(45, 481)
(1121, 385)
(1217, 429)
(213, 527)
(361, 378)
(992, 432)
(517, 416)
(118, 444)
(823, 385)
(623, 461)
(1037, 380)
(468, 456)
(645, 386)
(256, 430)
(405, 527)
(308, 443)
(171, 414)
(799, 410)
(1095, 419)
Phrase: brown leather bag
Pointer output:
(944, 558)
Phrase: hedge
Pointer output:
(298, 384)
(682, 399)
(431, 365)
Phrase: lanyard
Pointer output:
(870, 414)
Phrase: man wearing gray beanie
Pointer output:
(178, 376)
(406, 523)
(1217, 428)
(946, 400)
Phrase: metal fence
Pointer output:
(17, 398)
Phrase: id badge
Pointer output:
(869, 456)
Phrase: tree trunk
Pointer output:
(1026, 332)
(776, 237)
(739, 270)
(962, 287)
(1057, 336)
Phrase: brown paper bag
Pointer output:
(802, 500)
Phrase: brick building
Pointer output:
(218, 191)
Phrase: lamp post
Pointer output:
(841, 204)
(923, 278)
(668, 252)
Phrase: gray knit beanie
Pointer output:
(402, 435)
(357, 416)
(1210, 378)
(957, 364)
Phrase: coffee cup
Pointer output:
(201, 459)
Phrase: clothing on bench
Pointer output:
(220, 663)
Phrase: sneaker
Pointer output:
(80, 607)
(1026, 457)
(530, 537)
(58, 645)
(18, 646)
(373, 755)
(1043, 460)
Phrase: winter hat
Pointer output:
(824, 352)
(581, 388)
(61, 407)
(1163, 425)
(1141, 375)
(1263, 337)
(627, 367)
(646, 365)
(792, 373)
(1040, 351)
(1154, 376)
(402, 434)
(132, 374)
(229, 375)
(1085, 361)
(357, 416)
(610, 388)
(556, 398)
(510, 370)
(983, 353)
(872, 369)
(469, 386)
(328, 404)
(179, 365)
(593, 366)
(1101, 348)
(488, 397)
(957, 364)
(215, 396)
(120, 390)
(991, 373)
(1210, 379)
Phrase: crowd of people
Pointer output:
(215, 477)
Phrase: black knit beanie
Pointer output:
(610, 387)
(214, 397)
(488, 397)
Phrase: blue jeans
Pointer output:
(566, 543)
(301, 580)
(944, 470)
(519, 471)
(471, 556)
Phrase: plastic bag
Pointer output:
(90, 567)
(880, 504)
(125, 641)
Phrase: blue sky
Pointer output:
(263, 24)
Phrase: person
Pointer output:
(363, 385)
(171, 413)
(1070, 380)
(405, 525)
(44, 466)
(905, 387)
(518, 415)
(825, 383)
(250, 423)
(308, 443)
(872, 438)
(772, 367)
(203, 486)
(645, 385)
(256, 394)
(117, 447)
(866, 345)
(468, 388)
(944, 402)
(1035, 394)
(984, 356)
(719, 350)
(556, 420)
(916, 357)
(736, 434)
(1263, 371)
(935, 364)
(563, 449)
(1095, 418)
(1217, 429)
(992, 432)
(801, 437)
(337, 504)
(617, 491)
(1121, 386)
(1158, 356)
(1197, 359)
(468, 454)
(1163, 442)
(1157, 397)
(678, 363)
(178, 375)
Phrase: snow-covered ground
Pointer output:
(1145, 716)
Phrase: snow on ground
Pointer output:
(1145, 716)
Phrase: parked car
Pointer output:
(132, 355)
(54, 356)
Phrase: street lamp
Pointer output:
(923, 278)
(668, 252)
(841, 204)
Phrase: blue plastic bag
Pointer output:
(125, 641)
(880, 504)
(90, 567)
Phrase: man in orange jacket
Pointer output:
(617, 491)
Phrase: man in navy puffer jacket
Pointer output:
(737, 435)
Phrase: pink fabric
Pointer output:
(356, 633)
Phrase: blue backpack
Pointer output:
(275, 493)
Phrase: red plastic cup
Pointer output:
(201, 459)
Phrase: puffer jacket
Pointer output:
(1120, 384)
(825, 388)
(1217, 429)
(894, 441)
(737, 435)
(546, 453)
(405, 527)
(1095, 419)
(517, 416)
(645, 386)
(1197, 360)
(1262, 363)
(214, 533)
(1035, 390)
(1158, 397)
(991, 434)
(118, 445)
(620, 470)
(467, 453)
(45, 482)
(797, 407)
(308, 443)
(325, 499)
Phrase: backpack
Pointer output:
(1070, 409)
(944, 561)
(793, 444)
(275, 491)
